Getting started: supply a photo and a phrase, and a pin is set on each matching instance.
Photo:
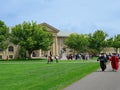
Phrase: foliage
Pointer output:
(110, 42)
(4, 34)
(98, 40)
(116, 42)
(92, 52)
(78, 42)
(31, 36)
(22, 53)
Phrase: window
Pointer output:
(0, 56)
(10, 48)
(33, 54)
(11, 56)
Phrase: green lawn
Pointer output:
(38, 75)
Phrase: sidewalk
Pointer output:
(98, 80)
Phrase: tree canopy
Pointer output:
(98, 40)
(78, 42)
(91, 43)
(4, 34)
(31, 36)
(116, 42)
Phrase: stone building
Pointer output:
(10, 53)
(58, 47)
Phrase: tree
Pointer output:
(78, 42)
(116, 42)
(4, 34)
(22, 53)
(31, 36)
(98, 40)
(109, 42)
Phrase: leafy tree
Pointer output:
(22, 53)
(116, 42)
(98, 40)
(31, 36)
(78, 42)
(109, 42)
(4, 34)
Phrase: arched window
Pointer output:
(10, 49)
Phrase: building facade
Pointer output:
(58, 47)
(10, 53)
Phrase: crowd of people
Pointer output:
(113, 58)
(51, 58)
(78, 57)
(103, 59)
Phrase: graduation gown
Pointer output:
(114, 62)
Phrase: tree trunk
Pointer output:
(29, 53)
(117, 50)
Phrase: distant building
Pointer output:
(57, 48)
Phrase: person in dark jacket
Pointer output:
(102, 59)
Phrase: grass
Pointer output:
(37, 75)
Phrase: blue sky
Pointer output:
(81, 16)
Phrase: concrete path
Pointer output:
(98, 80)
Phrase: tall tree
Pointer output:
(4, 34)
(116, 42)
(98, 40)
(31, 36)
(109, 42)
(78, 42)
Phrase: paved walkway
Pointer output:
(107, 80)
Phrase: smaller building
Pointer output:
(10, 53)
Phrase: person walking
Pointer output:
(114, 62)
(56, 58)
(103, 61)
(49, 59)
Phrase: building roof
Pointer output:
(51, 27)
(59, 32)
(64, 34)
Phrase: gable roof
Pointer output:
(64, 34)
(51, 27)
